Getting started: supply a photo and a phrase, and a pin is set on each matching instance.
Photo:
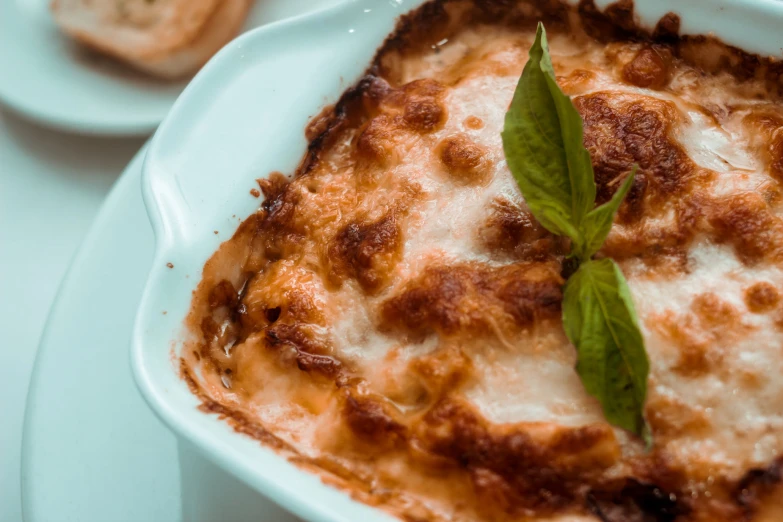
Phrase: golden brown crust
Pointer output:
(762, 297)
(464, 159)
(650, 68)
(622, 132)
(466, 298)
(532, 469)
(749, 225)
(394, 309)
(513, 231)
(367, 251)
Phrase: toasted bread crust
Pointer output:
(169, 41)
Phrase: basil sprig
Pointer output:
(543, 144)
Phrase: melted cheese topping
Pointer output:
(392, 314)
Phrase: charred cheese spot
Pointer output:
(578, 81)
(620, 130)
(534, 465)
(513, 231)
(632, 500)
(367, 251)
(762, 297)
(297, 343)
(418, 104)
(372, 420)
(378, 140)
(414, 108)
(424, 115)
(281, 292)
(277, 229)
(464, 159)
(715, 313)
(668, 28)
(614, 22)
(452, 299)
(754, 489)
(650, 68)
(746, 222)
(473, 123)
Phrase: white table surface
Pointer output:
(51, 185)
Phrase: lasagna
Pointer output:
(390, 317)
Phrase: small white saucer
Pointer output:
(48, 78)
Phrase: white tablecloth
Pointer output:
(51, 185)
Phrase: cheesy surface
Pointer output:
(390, 318)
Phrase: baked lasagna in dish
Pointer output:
(390, 318)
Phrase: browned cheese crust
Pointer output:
(390, 317)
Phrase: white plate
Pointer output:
(92, 450)
(48, 78)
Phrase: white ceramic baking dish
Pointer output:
(243, 117)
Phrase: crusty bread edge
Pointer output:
(184, 58)
(118, 39)
(225, 23)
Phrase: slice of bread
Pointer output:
(166, 38)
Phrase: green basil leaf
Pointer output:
(542, 141)
(598, 222)
(543, 144)
(600, 320)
